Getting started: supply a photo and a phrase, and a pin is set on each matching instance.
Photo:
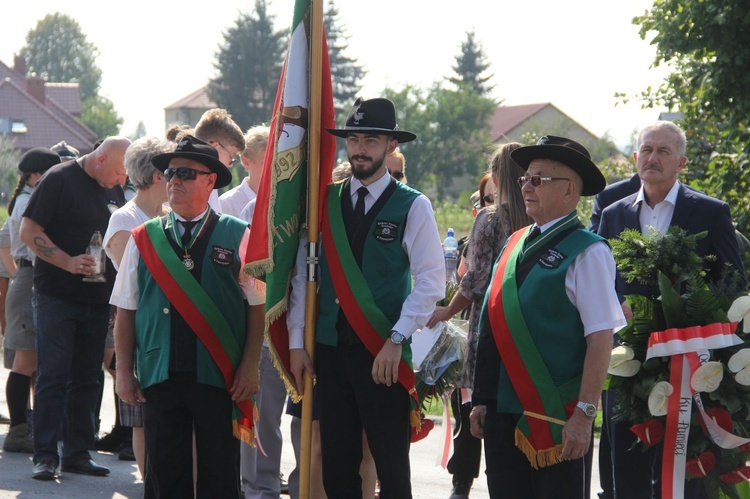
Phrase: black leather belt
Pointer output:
(23, 262)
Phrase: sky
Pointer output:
(575, 54)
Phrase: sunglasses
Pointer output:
(398, 175)
(488, 199)
(537, 180)
(184, 173)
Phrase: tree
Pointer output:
(58, 50)
(98, 113)
(471, 63)
(9, 158)
(452, 133)
(249, 65)
(708, 46)
(346, 74)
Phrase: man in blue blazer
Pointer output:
(660, 202)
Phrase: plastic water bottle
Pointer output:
(450, 251)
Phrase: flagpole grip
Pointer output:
(313, 260)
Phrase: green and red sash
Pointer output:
(199, 311)
(356, 300)
(539, 431)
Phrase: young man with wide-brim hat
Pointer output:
(368, 308)
(545, 333)
(197, 326)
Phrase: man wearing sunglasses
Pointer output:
(545, 333)
(195, 325)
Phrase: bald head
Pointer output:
(106, 164)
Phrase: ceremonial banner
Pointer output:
(282, 197)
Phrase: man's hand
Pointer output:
(81, 264)
(128, 388)
(476, 420)
(576, 435)
(385, 367)
(246, 382)
(626, 310)
(300, 362)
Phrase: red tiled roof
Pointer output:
(506, 118)
(198, 99)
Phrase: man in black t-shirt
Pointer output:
(72, 201)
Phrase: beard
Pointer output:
(363, 172)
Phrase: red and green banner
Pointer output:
(282, 195)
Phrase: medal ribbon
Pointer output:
(197, 231)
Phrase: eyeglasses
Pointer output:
(398, 175)
(184, 173)
(537, 180)
(235, 157)
(488, 199)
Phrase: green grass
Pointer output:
(453, 215)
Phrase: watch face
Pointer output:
(397, 337)
(591, 411)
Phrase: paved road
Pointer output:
(429, 480)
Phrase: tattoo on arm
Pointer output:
(40, 244)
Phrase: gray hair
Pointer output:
(668, 126)
(138, 159)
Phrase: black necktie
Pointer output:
(186, 235)
(535, 232)
(359, 208)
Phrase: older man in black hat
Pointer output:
(546, 333)
(377, 234)
(196, 325)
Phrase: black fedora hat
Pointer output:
(197, 150)
(38, 160)
(377, 116)
(568, 152)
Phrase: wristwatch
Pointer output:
(397, 337)
(588, 409)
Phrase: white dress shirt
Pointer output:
(660, 216)
(234, 200)
(422, 244)
(590, 287)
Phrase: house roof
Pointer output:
(508, 118)
(198, 99)
(48, 122)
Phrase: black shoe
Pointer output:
(4, 419)
(85, 467)
(111, 442)
(44, 470)
(126, 453)
(461, 489)
(283, 486)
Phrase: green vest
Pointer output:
(220, 281)
(385, 264)
(552, 320)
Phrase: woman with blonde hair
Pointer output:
(491, 228)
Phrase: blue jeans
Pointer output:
(70, 346)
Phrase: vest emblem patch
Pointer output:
(222, 256)
(551, 259)
(385, 231)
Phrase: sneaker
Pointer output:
(19, 439)
(461, 489)
(111, 442)
(46, 469)
(126, 453)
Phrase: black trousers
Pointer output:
(467, 449)
(509, 473)
(173, 409)
(350, 401)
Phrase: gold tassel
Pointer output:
(415, 419)
(243, 433)
(538, 459)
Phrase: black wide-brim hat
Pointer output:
(568, 152)
(197, 150)
(375, 116)
(38, 160)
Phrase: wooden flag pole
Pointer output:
(313, 230)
